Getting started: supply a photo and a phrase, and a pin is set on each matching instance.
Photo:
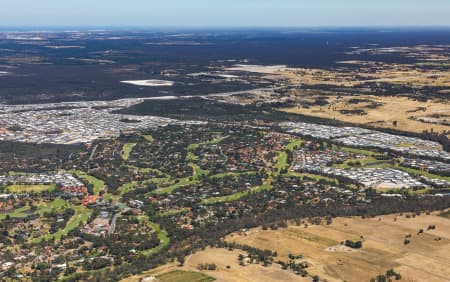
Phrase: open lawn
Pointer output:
(425, 258)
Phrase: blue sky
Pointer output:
(204, 13)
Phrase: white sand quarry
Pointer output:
(149, 82)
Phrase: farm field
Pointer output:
(425, 258)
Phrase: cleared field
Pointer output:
(30, 188)
(392, 112)
(425, 258)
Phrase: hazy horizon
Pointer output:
(231, 13)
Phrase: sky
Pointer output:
(225, 13)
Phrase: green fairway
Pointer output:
(233, 174)
(149, 138)
(217, 140)
(127, 187)
(191, 157)
(162, 235)
(356, 151)
(127, 149)
(81, 215)
(236, 196)
(30, 188)
(159, 180)
(413, 171)
(197, 171)
(169, 189)
(297, 143)
(149, 170)
(56, 205)
(368, 162)
(192, 147)
(98, 184)
(173, 212)
(280, 164)
(312, 176)
(17, 213)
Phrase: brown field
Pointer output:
(424, 259)
(401, 109)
